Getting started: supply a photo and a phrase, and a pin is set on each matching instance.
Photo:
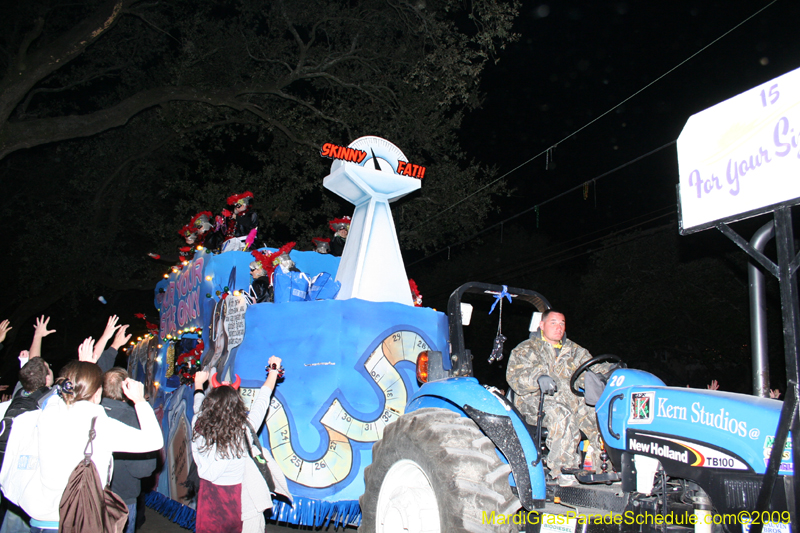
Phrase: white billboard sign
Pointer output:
(741, 157)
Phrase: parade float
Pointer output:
(349, 360)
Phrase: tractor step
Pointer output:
(609, 498)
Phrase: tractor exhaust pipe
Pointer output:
(758, 315)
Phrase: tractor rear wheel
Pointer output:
(435, 471)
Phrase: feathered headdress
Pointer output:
(151, 328)
(201, 220)
(243, 198)
(415, 293)
(262, 259)
(273, 259)
(339, 223)
(321, 242)
(187, 230)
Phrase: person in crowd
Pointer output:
(40, 331)
(63, 427)
(35, 378)
(103, 356)
(340, 228)
(233, 494)
(548, 352)
(129, 469)
(5, 327)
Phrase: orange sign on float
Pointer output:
(344, 153)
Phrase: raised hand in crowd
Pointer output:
(273, 371)
(40, 327)
(774, 394)
(40, 331)
(23, 357)
(120, 338)
(100, 346)
(86, 351)
(714, 385)
(200, 377)
(134, 390)
(5, 326)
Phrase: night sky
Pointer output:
(575, 61)
(551, 118)
(559, 88)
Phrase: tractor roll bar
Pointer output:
(460, 358)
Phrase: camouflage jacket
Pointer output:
(536, 357)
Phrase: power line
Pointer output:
(552, 198)
(548, 149)
(553, 258)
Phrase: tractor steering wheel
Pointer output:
(581, 369)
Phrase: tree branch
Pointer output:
(24, 106)
(112, 178)
(29, 133)
(21, 78)
(31, 36)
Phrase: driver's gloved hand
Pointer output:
(547, 385)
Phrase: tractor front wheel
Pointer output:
(435, 471)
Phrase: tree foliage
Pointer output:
(665, 305)
(120, 119)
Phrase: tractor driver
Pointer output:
(549, 352)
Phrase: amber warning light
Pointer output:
(422, 367)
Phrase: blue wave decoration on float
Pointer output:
(350, 368)
(303, 511)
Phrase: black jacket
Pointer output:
(241, 225)
(262, 289)
(246, 222)
(337, 245)
(129, 468)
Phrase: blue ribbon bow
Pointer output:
(499, 298)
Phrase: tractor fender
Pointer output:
(496, 418)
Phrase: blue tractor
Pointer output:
(463, 459)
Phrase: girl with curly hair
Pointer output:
(233, 494)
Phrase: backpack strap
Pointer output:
(89, 450)
(254, 437)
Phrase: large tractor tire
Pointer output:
(434, 471)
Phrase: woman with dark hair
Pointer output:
(63, 427)
(233, 494)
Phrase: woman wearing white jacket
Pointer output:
(63, 426)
